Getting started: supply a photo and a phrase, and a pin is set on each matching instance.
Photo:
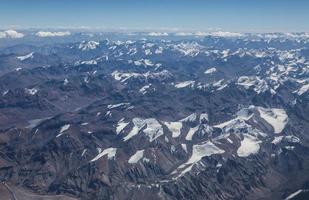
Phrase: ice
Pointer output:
(249, 145)
(184, 84)
(174, 127)
(210, 70)
(110, 152)
(26, 57)
(63, 129)
(191, 132)
(136, 157)
(277, 118)
(121, 125)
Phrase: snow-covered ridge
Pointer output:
(188, 48)
(144, 89)
(124, 76)
(174, 127)
(110, 152)
(112, 106)
(254, 82)
(185, 84)
(198, 152)
(26, 57)
(121, 125)
(86, 62)
(90, 45)
(143, 62)
(152, 128)
(303, 89)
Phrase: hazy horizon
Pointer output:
(225, 15)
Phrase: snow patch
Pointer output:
(143, 90)
(63, 129)
(249, 145)
(25, 57)
(191, 132)
(117, 105)
(121, 125)
(277, 118)
(136, 157)
(153, 128)
(110, 152)
(303, 89)
(210, 71)
(184, 84)
(174, 127)
(291, 196)
(91, 45)
(184, 147)
(31, 91)
(199, 151)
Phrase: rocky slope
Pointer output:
(207, 118)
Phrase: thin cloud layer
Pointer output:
(157, 34)
(52, 34)
(226, 34)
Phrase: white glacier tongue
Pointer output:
(276, 117)
(249, 145)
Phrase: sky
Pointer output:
(204, 15)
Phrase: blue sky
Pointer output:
(228, 15)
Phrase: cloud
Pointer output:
(219, 34)
(11, 34)
(52, 34)
(183, 34)
(226, 34)
(199, 33)
(157, 34)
